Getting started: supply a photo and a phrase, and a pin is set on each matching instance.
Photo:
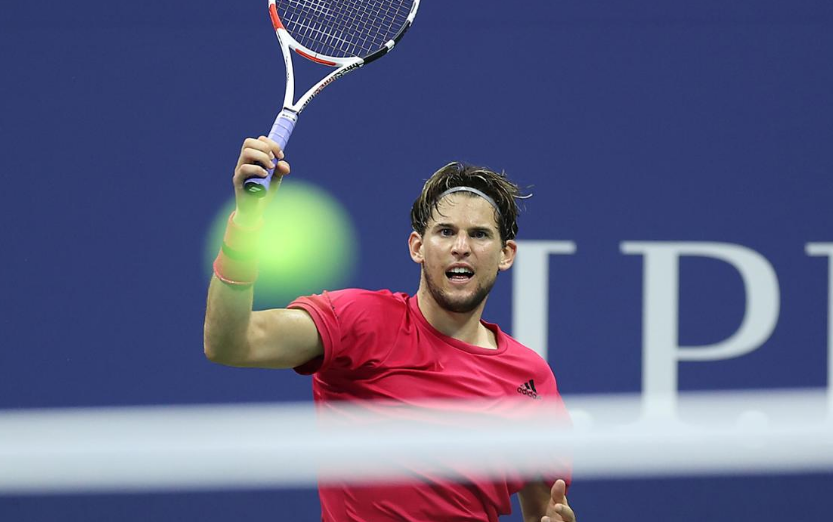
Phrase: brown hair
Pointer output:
(496, 185)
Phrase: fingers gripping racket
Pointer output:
(344, 34)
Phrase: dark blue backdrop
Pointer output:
(657, 120)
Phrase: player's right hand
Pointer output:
(257, 156)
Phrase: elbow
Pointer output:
(218, 350)
(221, 354)
(209, 345)
(212, 353)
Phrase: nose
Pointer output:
(461, 247)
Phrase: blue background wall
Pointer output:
(658, 120)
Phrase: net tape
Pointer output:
(240, 446)
(343, 28)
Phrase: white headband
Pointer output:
(473, 191)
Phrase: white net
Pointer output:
(240, 446)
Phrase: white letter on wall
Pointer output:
(826, 250)
(660, 323)
(530, 285)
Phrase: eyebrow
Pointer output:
(476, 228)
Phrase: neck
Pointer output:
(463, 326)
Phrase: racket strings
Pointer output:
(342, 28)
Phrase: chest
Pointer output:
(416, 365)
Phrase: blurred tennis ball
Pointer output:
(308, 244)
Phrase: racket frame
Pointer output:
(285, 122)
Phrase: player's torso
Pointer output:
(394, 355)
(405, 359)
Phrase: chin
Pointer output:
(455, 299)
(460, 304)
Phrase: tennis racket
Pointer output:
(343, 34)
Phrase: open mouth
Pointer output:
(459, 274)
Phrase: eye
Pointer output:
(480, 234)
(447, 232)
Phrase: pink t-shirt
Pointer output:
(378, 346)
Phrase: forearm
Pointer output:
(228, 314)
(534, 499)
(232, 333)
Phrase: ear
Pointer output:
(507, 255)
(415, 247)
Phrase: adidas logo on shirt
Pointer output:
(528, 389)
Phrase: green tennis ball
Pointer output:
(308, 244)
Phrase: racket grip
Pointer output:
(280, 133)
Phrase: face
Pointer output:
(461, 253)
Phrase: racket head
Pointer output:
(337, 32)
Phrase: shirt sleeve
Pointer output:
(342, 321)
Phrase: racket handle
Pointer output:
(281, 131)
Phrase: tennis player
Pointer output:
(361, 345)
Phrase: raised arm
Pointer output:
(233, 334)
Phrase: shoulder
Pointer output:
(367, 300)
(354, 302)
(518, 349)
(350, 321)
(535, 366)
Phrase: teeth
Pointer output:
(460, 270)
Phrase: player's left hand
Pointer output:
(558, 509)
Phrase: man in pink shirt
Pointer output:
(362, 345)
